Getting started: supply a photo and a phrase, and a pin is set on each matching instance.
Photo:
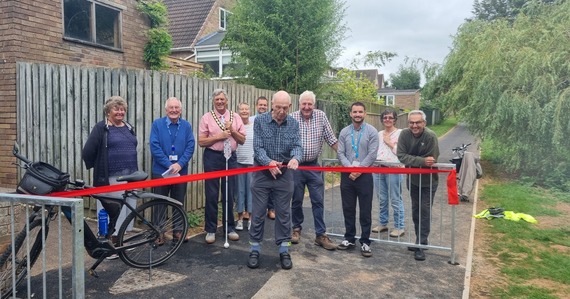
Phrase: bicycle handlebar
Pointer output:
(463, 147)
(16, 152)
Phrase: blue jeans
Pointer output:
(389, 189)
(244, 190)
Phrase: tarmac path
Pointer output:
(199, 270)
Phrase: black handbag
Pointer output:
(42, 178)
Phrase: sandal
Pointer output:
(178, 235)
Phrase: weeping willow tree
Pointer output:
(510, 82)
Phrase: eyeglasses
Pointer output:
(387, 118)
(417, 123)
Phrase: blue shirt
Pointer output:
(170, 139)
(272, 141)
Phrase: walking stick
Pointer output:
(227, 155)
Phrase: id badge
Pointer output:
(355, 163)
(173, 157)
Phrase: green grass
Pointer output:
(526, 251)
(442, 128)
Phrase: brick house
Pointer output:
(406, 99)
(62, 32)
(371, 75)
(197, 28)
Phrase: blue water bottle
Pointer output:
(103, 223)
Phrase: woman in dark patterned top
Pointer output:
(111, 150)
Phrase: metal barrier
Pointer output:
(19, 222)
(442, 218)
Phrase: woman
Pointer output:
(388, 186)
(244, 154)
(111, 150)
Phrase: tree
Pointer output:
(159, 40)
(372, 58)
(407, 77)
(348, 88)
(488, 10)
(284, 44)
(508, 80)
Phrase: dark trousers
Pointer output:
(422, 200)
(175, 191)
(313, 180)
(361, 190)
(214, 161)
(262, 187)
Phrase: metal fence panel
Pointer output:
(52, 254)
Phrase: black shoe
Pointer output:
(253, 261)
(286, 262)
(419, 255)
(410, 248)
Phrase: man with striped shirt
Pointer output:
(315, 129)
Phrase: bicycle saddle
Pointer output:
(133, 177)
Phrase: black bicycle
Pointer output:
(458, 153)
(160, 225)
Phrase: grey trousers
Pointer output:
(281, 190)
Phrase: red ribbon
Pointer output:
(452, 197)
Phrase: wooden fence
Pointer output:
(57, 105)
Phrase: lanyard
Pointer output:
(355, 146)
(173, 139)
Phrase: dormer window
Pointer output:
(224, 14)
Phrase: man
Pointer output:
(418, 147)
(314, 128)
(277, 143)
(244, 155)
(261, 106)
(220, 130)
(358, 146)
(172, 146)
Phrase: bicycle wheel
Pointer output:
(154, 247)
(20, 258)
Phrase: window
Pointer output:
(215, 59)
(224, 14)
(390, 100)
(92, 22)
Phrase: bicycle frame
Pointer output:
(100, 247)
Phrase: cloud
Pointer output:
(413, 28)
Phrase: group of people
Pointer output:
(361, 145)
(285, 141)
(111, 150)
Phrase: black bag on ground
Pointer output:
(42, 178)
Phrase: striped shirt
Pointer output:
(314, 131)
(244, 151)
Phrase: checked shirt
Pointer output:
(314, 131)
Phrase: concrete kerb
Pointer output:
(469, 259)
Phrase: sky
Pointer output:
(413, 28)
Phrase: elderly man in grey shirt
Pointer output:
(357, 146)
